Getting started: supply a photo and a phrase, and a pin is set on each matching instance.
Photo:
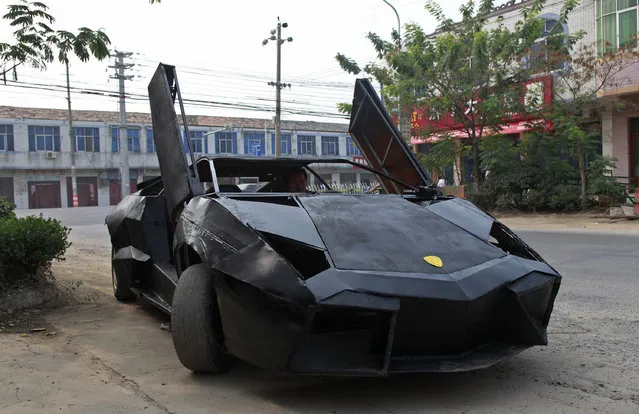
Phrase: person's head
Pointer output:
(297, 181)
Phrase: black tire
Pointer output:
(121, 284)
(195, 322)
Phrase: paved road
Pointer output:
(127, 363)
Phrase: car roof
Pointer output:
(240, 160)
(228, 166)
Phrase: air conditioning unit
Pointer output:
(50, 155)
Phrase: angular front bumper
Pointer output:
(427, 335)
(362, 334)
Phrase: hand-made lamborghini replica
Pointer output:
(323, 283)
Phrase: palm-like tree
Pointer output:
(84, 44)
(36, 43)
(32, 31)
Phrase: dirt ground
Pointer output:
(570, 222)
(90, 353)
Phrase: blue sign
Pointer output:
(256, 150)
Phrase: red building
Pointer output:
(426, 130)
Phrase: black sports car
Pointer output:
(323, 283)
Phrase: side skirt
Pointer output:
(160, 287)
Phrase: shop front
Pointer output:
(427, 130)
(620, 134)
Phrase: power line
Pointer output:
(258, 76)
(314, 99)
(192, 102)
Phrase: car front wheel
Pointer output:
(195, 322)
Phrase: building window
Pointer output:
(199, 142)
(306, 145)
(366, 178)
(327, 178)
(226, 142)
(44, 138)
(86, 139)
(616, 24)
(6, 138)
(434, 114)
(347, 178)
(150, 144)
(351, 147)
(330, 146)
(133, 139)
(539, 49)
(254, 143)
(285, 141)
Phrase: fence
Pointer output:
(350, 188)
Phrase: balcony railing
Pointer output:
(52, 160)
(624, 82)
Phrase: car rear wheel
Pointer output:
(195, 322)
(121, 283)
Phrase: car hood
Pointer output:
(390, 234)
(383, 233)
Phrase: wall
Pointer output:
(24, 165)
(582, 18)
(624, 82)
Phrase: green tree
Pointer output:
(443, 153)
(467, 73)
(36, 43)
(30, 44)
(576, 110)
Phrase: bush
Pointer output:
(528, 187)
(7, 209)
(537, 174)
(602, 184)
(27, 248)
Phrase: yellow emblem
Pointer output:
(434, 260)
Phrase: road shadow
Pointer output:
(491, 387)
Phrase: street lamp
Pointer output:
(404, 128)
(226, 127)
(399, 26)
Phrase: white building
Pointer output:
(35, 151)
(609, 24)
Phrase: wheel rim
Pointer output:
(114, 280)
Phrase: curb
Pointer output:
(24, 298)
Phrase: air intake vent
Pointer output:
(307, 260)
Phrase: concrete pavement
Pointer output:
(110, 357)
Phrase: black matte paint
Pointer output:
(334, 284)
(178, 183)
(380, 141)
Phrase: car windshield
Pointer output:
(243, 175)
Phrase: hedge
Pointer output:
(28, 246)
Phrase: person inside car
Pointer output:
(297, 181)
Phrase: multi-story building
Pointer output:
(614, 22)
(36, 151)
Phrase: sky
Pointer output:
(217, 49)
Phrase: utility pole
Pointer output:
(74, 183)
(278, 85)
(120, 66)
(403, 120)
